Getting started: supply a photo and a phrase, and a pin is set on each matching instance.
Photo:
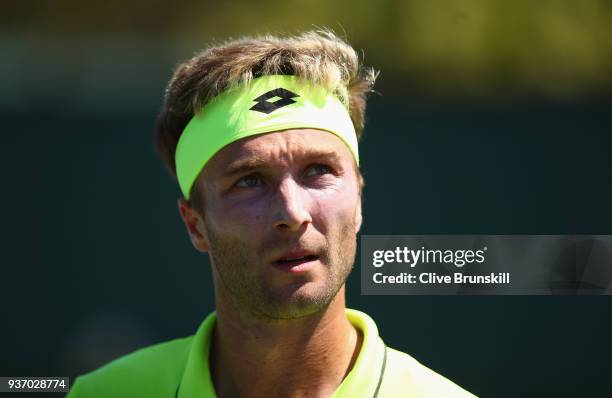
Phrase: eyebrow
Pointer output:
(255, 162)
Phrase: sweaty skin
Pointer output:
(279, 221)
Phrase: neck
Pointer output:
(289, 358)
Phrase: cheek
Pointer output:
(246, 218)
(335, 209)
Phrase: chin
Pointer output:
(299, 302)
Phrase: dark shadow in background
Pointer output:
(96, 262)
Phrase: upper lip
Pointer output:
(293, 254)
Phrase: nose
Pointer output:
(291, 210)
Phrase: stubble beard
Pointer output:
(236, 267)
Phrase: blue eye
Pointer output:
(249, 181)
(318, 170)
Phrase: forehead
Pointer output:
(281, 146)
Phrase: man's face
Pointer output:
(281, 213)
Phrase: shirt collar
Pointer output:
(363, 380)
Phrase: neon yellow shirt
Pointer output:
(179, 369)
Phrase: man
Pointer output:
(261, 134)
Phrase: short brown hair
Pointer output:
(317, 56)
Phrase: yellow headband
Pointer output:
(269, 103)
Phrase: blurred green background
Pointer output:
(489, 117)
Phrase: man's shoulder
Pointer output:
(405, 374)
(150, 371)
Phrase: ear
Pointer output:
(195, 225)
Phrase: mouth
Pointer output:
(298, 262)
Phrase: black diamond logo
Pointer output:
(263, 104)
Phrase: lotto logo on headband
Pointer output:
(228, 118)
(265, 106)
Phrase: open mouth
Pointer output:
(296, 261)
